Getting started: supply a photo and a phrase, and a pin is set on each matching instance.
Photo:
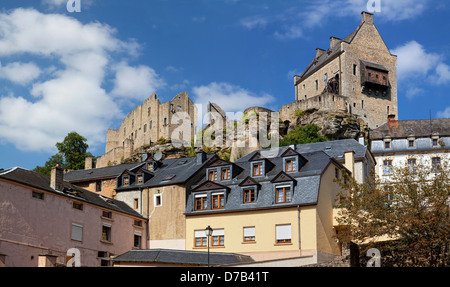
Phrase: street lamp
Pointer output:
(208, 232)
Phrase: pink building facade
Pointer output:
(48, 222)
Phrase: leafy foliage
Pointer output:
(410, 209)
(72, 152)
(303, 135)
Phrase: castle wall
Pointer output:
(323, 102)
(371, 105)
(146, 124)
(307, 88)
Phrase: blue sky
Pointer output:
(63, 72)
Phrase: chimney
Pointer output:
(350, 161)
(334, 41)
(56, 178)
(392, 122)
(201, 157)
(319, 52)
(367, 17)
(362, 139)
(88, 163)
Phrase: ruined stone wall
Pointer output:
(145, 125)
(323, 102)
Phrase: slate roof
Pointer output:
(178, 170)
(42, 182)
(182, 257)
(305, 185)
(416, 128)
(327, 56)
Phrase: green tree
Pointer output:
(72, 152)
(302, 135)
(409, 208)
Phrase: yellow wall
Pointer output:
(316, 226)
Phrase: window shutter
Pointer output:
(283, 232)
(249, 232)
(199, 233)
(218, 232)
(77, 232)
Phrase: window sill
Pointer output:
(282, 244)
(248, 242)
(106, 242)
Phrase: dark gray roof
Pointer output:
(416, 128)
(305, 185)
(335, 149)
(327, 56)
(98, 173)
(42, 182)
(182, 257)
(172, 171)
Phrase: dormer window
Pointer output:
(200, 202)
(218, 200)
(257, 169)
(212, 175)
(249, 195)
(140, 179)
(126, 180)
(225, 174)
(283, 194)
(291, 165)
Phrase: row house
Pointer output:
(268, 207)
(154, 188)
(46, 221)
(400, 143)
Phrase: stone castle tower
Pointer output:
(356, 74)
(145, 125)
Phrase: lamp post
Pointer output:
(208, 232)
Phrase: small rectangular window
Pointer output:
(249, 234)
(412, 165)
(77, 232)
(125, 181)
(106, 232)
(212, 175)
(158, 200)
(283, 233)
(436, 164)
(218, 201)
(218, 237)
(249, 195)
(140, 179)
(98, 186)
(38, 195)
(200, 202)
(283, 194)
(137, 241)
(136, 203)
(387, 167)
(200, 239)
(77, 205)
(225, 174)
(354, 69)
(257, 169)
(291, 165)
(107, 214)
(411, 143)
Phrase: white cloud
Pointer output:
(135, 82)
(414, 61)
(20, 73)
(445, 114)
(69, 95)
(293, 22)
(229, 97)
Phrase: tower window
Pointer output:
(354, 69)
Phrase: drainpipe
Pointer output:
(148, 218)
(299, 240)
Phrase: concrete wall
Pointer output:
(30, 227)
